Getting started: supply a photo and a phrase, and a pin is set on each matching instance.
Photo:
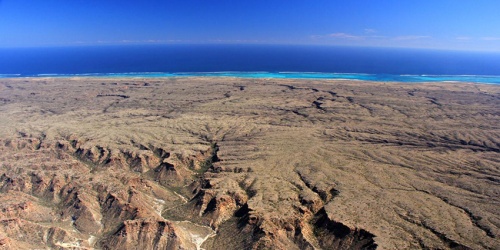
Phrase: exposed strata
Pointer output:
(282, 164)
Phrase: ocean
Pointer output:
(253, 61)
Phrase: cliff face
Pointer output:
(147, 234)
(247, 164)
(89, 197)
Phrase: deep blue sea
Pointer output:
(254, 61)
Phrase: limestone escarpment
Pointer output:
(65, 193)
(146, 234)
(282, 164)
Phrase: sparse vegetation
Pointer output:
(211, 159)
(381, 159)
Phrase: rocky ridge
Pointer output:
(283, 165)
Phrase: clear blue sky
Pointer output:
(438, 24)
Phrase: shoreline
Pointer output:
(122, 77)
(361, 77)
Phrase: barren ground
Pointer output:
(222, 163)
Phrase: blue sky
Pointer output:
(436, 24)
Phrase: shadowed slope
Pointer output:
(283, 164)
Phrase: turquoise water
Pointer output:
(291, 75)
(252, 61)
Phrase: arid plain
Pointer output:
(227, 163)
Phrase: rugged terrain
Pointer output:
(222, 163)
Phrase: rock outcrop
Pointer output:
(147, 234)
(192, 163)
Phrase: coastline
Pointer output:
(484, 79)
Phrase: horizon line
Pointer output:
(256, 44)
